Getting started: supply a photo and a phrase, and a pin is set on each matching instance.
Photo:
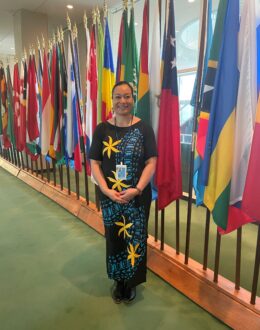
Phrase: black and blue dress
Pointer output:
(125, 224)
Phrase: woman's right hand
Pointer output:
(114, 196)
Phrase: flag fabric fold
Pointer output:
(168, 172)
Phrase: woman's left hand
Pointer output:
(129, 194)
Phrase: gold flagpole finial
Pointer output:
(50, 45)
(94, 16)
(25, 54)
(61, 33)
(53, 38)
(98, 15)
(30, 50)
(105, 9)
(68, 22)
(75, 31)
(38, 43)
(125, 4)
(33, 50)
(58, 35)
(43, 42)
(85, 20)
(133, 1)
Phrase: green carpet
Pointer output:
(228, 244)
(53, 274)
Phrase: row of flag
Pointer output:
(43, 112)
(226, 177)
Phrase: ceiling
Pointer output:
(55, 9)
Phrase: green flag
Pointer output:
(100, 62)
(131, 68)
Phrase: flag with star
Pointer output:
(208, 89)
(168, 173)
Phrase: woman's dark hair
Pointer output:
(123, 82)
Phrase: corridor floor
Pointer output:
(53, 274)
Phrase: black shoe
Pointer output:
(129, 294)
(118, 292)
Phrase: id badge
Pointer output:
(121, 172)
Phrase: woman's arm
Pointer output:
(100, 179)
(148, 172)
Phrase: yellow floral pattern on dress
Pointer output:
(110, 146)
(132, 253)
(124, 227)
(118, 184)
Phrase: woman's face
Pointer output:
(122, 100)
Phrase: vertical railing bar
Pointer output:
(77, 183)
(36, 166)
(97, 201)
(217, 256)
(41, 165)
(54, 172)
(156, 218)
(238, 258)
(27, 162)
(256, 269)
(206, 240)
(61, 176)
(68, 178)
(178, 226)
(162, 228)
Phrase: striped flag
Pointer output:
(100, 64)
(23, 104)
(155, 72)
(108, 76)
(218, 155)
(143, 105)
(4, 108)
(91, 104)
(250, 202)
(10, 124)
(208, 88)
(122, 46)
(16, 101)
(46, 107)
(168, 172)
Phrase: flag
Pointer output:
(108, 76)
(219, 148)
(10, 124)
(73, 116)
(131, 66)
(168, 172)
(155, 72)
(91, 103)
(208, 88)
(32, 127)
(46, 107)
(100, 62)
(17, 106)
(143, 105)
(23, 104)
(122, 46)
(4, 108)
(250, 202)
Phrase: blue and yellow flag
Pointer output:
(108, 76)
(218, 157)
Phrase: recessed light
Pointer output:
(12, 48)
(191, 1)
(69, 6)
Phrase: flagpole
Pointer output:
(195, 126)
(78, 101)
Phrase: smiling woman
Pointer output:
(123, 158)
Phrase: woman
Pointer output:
(123, 160)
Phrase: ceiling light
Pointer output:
(69, 6)
(191, 1)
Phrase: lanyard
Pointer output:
(117, 137)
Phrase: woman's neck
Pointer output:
(123, 121)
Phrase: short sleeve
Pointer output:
(150, 149)
(95, 151)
